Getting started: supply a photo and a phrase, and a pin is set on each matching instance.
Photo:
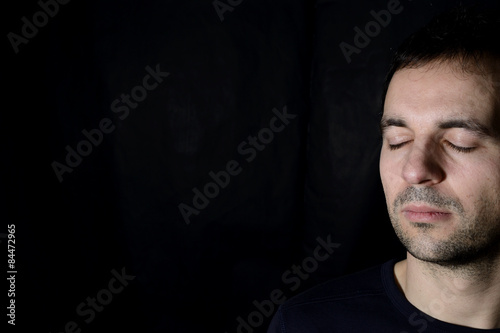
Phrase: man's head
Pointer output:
(440, 158)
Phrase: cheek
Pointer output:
(476, 182)
(384, 170)
(386, 165)
(389, 177)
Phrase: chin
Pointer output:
(449, 254)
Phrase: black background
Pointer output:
(119, 209)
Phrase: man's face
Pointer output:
(440, 163)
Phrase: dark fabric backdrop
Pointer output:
(229, 74)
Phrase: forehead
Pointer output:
(441, 91)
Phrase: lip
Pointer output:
(425, 214)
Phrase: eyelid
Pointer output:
(398, 145)
(398, 139)
(459, 148)
(461, 141)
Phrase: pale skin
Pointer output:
(441, 137)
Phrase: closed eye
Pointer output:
(458, 148)
(397, 146)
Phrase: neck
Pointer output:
(466, 295)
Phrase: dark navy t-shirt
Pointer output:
(368, 301)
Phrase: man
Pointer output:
(440, 169)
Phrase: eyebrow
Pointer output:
(388, 122)
(469, 124)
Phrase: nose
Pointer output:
(422, 166)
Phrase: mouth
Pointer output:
(425, 214)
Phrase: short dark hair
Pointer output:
(466, 36)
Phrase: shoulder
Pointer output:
(339, 303)
(364, 283)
